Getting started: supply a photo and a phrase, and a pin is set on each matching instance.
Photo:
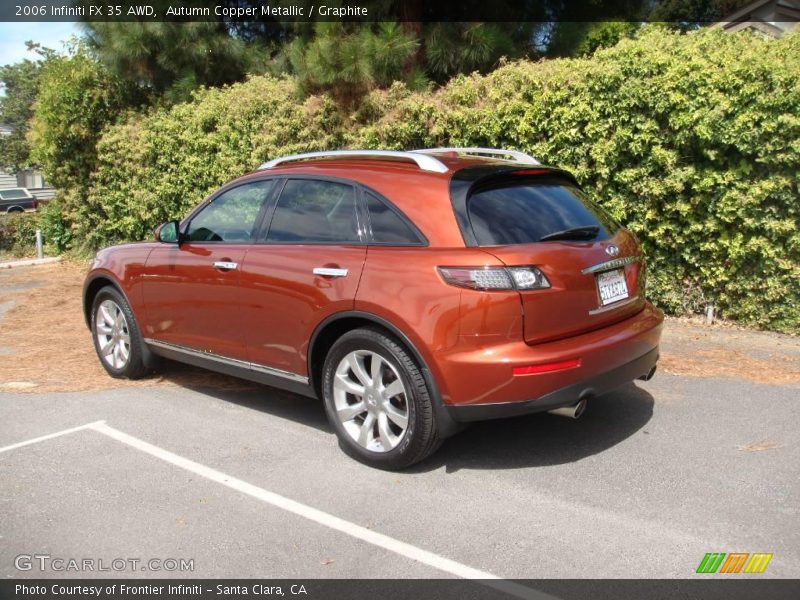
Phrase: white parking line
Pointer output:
(50, 436)
(362, 533)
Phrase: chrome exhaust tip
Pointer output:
(573, 412)
(649, 375)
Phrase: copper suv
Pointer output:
(413, 292)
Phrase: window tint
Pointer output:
(310, 210)
(231, 216)
(524, 213)
(387, 226)
(13, 194)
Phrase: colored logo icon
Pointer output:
(734, 562)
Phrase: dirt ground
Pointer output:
(45, 346)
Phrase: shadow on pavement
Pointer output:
(269, 400)
(542, 439)
(537, 440)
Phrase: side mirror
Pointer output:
(169, 233)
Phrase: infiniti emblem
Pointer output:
(612, 250)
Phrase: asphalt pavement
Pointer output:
(252, 484)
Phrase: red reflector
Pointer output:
(547, 367)
(531, 172)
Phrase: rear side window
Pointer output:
(523, 213)
(387, 226)
(315, 211)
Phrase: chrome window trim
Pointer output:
(228, 361)
(611, 264)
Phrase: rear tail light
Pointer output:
(495, 278)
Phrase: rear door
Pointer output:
(306, 267)
(592, 263)
(191, 291)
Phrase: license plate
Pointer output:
(611, 286)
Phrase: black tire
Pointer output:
(421, 437)
(139, 361)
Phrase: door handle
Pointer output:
(330, 272)
(225, 265)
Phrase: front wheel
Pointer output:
(377, 401)
(117, 339)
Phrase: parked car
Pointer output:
(413, 292)
(17, 200)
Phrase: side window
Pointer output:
(231, 216)
(387, 226)
(310, 210)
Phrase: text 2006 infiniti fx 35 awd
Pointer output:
(412, 291)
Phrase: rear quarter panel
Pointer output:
(403, 287)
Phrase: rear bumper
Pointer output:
(481, 380)
(566, 396)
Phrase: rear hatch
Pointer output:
(541, 218)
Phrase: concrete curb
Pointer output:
(29, 262)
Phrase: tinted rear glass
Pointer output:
(315, 211)
(524, 213)
(387, 226)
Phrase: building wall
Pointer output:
(41, 190)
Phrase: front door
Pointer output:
(191, 291)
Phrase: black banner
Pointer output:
(696, 11)
(714, 588)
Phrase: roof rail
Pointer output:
(424, 162)
(515, 155)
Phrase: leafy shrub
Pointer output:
(693, 141)
(18, 233)
(77, 98)
(56, 233)
(156, 167)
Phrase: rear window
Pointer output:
(12, 194)
(524, 213)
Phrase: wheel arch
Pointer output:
(93, 285)
(336, 325)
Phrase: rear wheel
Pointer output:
(117, 339)
(377, 401)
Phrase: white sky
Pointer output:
(14, 35)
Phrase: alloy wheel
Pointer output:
(371, 401)
(113, 334)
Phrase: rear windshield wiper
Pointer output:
(587, 232)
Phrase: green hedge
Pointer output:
(156, 167)
(18, 234)
(18, 231)
(693, 141)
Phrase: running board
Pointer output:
(232, 366)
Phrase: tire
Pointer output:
(115, 327)
(369, 417)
